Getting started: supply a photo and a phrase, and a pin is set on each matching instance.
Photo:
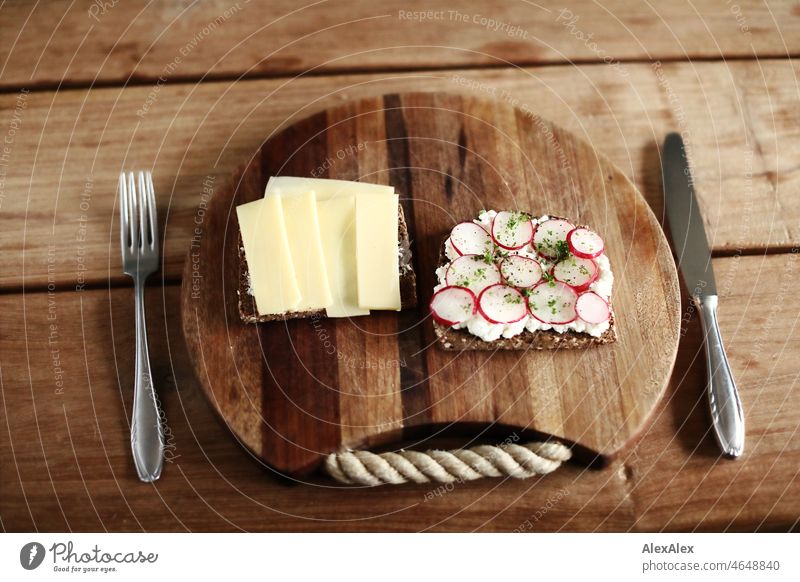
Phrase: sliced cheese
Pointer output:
(337, 225)
(324, 188)
(266, 246)
(377, 256)
(305, 245)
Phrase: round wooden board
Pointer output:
(292, 392)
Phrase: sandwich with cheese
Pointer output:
(314, 247)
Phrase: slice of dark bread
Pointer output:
(408, 282)
(462, 339)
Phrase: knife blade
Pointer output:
(694, 261)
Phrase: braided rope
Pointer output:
(506, 460)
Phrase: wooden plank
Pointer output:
(113, 42)
(65, 453)
(57, 196)
(674, 479)
(678, 480)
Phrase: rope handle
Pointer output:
(505, 460)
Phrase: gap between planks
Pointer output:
(124, 281)
(43, 87)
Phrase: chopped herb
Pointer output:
(562, 250)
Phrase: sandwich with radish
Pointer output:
(512, 280)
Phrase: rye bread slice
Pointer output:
(463, 340)
(408, 282)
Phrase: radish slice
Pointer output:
(472, 272)
(512, 230)
(502, 304)
(453, 305)
(469, 238)
(553, 302)
(585, 244)
(520, 271)
(577, 273)
(450, 250)
(550, 238)
(592, 308)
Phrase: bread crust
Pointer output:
(463, 340)
(408, 282)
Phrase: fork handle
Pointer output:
(147, 433)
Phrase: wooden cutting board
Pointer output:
(292, 392)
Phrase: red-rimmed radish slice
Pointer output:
(502, 304)
(450, 250)
(472, 272)
(592, 308)
(550, 236)
(520, 271)
(512, 230)
(584, 243)
(575, 272)
(453, 305)
(469, 238)
(553, 302)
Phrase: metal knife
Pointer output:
(694, 260)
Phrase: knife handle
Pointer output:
(723, 398)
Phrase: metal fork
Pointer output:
(139, 241)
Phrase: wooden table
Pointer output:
(192, 89)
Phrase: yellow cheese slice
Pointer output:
(324, 188)
(266, 247)
(305, 246)
(337, 225)
(377, 256)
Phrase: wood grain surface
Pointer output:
(85, 42)
(61, 181)
(296, 391)
(135, 84)
(65, 457)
